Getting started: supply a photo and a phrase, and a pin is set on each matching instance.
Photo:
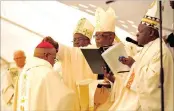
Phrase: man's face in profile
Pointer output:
(143, 34)
(79, 40)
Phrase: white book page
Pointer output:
(112, 55)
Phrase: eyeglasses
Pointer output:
(55, 59)
(101, 35)
(49, 54)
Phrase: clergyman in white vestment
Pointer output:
(104, 36)
(74, 66)
(9, 79)
(140, 90)
(40, 88)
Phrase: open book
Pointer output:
(94, 59)
(111, 57)
(97, 59)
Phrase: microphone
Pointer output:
(170, 40)
(110, 1)
(128, 39)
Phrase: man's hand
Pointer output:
(127, 61)
(109, 75)
(52, 41)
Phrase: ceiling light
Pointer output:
(90, 11)
(84, 6)
(75, 7)
(130, 21)
(92, 5)
(125, 26)
(134, 26)
(121, 21)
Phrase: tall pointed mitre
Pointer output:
(105, 20)
(151, 18)
(84, 27)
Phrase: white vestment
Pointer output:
(58, 68)
(74, 66)
(8, 87)
(39, 88)
(139, 90)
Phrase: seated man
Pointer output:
(39, 87)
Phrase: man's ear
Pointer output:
(152, 32)
(46, 55)
(111, 38)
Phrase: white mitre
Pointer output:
(105, 20)
(151, 18)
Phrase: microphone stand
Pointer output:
(161, 59)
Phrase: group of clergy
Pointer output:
(36, 86)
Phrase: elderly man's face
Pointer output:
(79, 40)
(104, 38)
(19, 58)
(51, 56)
(143, 35)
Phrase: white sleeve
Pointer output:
(69, 102)
(63, 51)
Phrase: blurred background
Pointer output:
(25, 23)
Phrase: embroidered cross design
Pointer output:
(130, 81)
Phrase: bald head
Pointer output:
(19, 58)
